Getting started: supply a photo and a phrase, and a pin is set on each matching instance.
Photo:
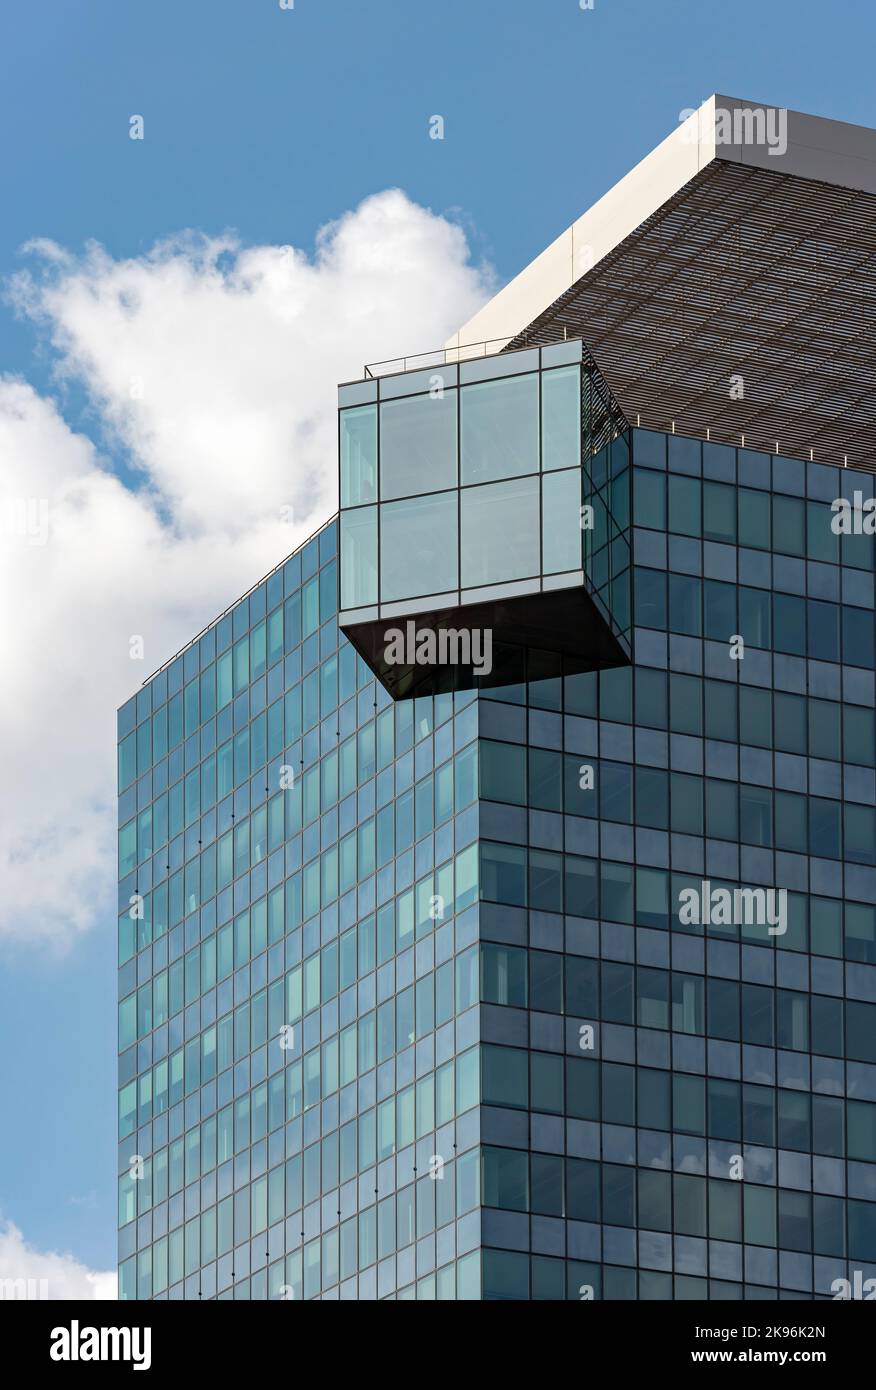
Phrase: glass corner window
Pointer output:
(561, 418)
(561, 521)
(358, 456)
(359, 557)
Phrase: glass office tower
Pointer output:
(497, 878)
(556, 988)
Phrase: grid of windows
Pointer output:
(407, 1006)
(676, 1109)
(298, 967)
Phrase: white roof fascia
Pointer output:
(806, 146)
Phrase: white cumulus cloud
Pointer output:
(210, 372)
(26, 1272)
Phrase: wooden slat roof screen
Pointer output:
(745, 273)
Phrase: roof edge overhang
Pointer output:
(811, 147)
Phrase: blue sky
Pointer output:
(272, 123)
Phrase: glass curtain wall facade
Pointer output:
(408, 1006)
(298, 1016)
(677, 1108)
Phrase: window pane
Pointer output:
(684, 505)
(358, 456)
(499, 429)
(561, 521)
(502, 772)
(359, 557)
(504, 1076)
(561, 418)
(500, 532)
(719, 512)
(504, 975)
(417, 445)
(418, 551)
(505, 1179)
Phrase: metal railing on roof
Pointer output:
(440, 357)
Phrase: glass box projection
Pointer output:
(488, 495)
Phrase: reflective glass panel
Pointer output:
(561, 418)
(418, 547)
(561, 521)
(359, 557)
(417, 445)
(500, 532)
(358, 456)
(499, 429)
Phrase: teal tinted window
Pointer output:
(561, 522)
(505, 1178)
(127, 761)
(684, 505)
(789, 525)
(418, 547)
(502, 772)
(358, 456)
(649, 492)
(417, 445)
(719, 512)
(505, 1073)
(499, 429)
(500, 532)
(359, 557)
(754, 518)
(561, 418)
(503, 975)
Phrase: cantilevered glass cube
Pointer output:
(484, 518)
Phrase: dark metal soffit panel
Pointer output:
(565, 623)
(744, 273)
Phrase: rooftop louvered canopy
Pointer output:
(732, 294)
(743, 311)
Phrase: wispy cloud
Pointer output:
(210, 370)
(28, 1272)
